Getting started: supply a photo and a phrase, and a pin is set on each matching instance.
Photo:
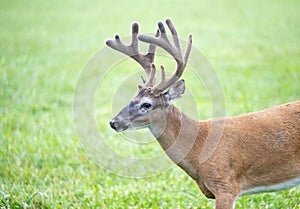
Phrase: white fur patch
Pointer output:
(146, 100)
(276, 187)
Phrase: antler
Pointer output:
(146, 61)
(174, 50)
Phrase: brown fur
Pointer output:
(256, 149)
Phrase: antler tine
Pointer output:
(188, 49)
(162, 41)
(150, 55)
(151, 50)
(174, 34)
(175, 51)
(151, 78)
(134, 33)
(132, 50)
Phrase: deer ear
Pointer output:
(176, 90)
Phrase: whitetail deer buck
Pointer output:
(256, 152)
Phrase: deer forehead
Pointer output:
(144, 99)
(143, 96)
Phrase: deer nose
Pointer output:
(114, 125)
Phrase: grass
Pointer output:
(253, 46)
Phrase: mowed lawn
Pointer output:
(254, 47)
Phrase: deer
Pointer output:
(255, 152)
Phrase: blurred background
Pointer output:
(253, 46)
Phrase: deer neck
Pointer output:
(176, 133)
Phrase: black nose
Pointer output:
(114, 125)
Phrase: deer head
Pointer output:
(152, 99)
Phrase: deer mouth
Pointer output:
(117, 126)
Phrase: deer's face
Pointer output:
(140, 111)
(146, 108)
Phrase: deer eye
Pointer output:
(146, 105)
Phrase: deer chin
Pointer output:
(138, 127)
(121, 129)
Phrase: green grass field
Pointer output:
(254, 47)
